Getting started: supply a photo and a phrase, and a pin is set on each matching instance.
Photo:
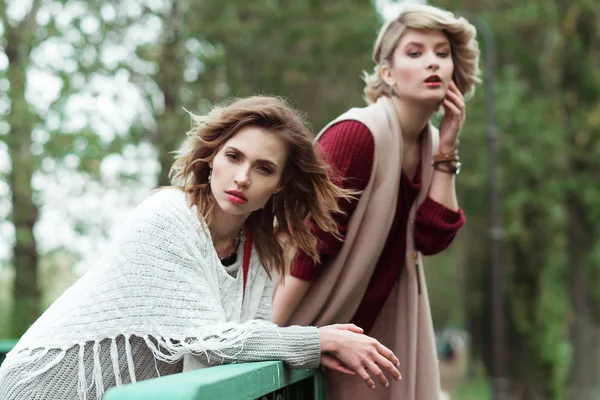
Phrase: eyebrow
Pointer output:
(260, 161)
(419, 44)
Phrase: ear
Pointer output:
(386, 74)
(282, 183)
(210, 164)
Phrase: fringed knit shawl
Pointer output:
(161, 281)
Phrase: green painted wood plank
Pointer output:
(320, 392)
(235, 381)
(5, 347)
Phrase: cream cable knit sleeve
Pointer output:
(289, 344)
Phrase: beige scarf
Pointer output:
(404, 325)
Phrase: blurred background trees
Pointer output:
(93, 100)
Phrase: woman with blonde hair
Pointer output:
(426, 60)
(187, 282)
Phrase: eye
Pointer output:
(443, 54)
(232, 156)
(414, 54)
(265, 170)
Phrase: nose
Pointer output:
(242, 178)
(433, 66)
(433, 63)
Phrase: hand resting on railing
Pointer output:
(346, 349)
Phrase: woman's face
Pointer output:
(422, 66)
(247, 170)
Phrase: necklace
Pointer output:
(232, 258)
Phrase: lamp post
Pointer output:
(500, 382)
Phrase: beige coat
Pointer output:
(404, 325)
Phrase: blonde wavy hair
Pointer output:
(460, 33)
(307, 189)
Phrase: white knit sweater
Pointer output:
(159, 294)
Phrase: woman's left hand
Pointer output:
(332, 362)
(454, 118)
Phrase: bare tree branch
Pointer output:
(29, 21)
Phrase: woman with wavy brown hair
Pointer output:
(187, 282)
(426, 61)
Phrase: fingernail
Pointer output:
(373, 387)
(387, 385)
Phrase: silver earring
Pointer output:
(209, 175)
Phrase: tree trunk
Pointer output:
(585, 330)
(582, 235)
(172, 123)
(26, 292)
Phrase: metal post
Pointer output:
(500, 380)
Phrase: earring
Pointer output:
(209, 175)
(274, 195)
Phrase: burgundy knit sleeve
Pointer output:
(348, 147)
(436, 226)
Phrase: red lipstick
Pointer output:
(236, 197)
(433, 81)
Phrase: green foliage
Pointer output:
(38, 131)
(475, 390)
(547, 92)
(308, 51)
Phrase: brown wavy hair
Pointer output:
(307, 190)
(460, 33)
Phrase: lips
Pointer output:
(236, 197)
(433, 79)
(433, 82)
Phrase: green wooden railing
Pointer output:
(5, 347)
(267, 380)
